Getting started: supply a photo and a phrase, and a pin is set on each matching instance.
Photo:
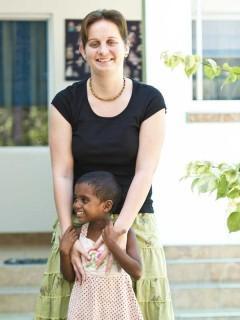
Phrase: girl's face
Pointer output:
(105, 49)
(87, 206)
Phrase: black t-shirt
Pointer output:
(108, 143)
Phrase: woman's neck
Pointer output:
(108, 85)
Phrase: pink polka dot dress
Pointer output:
(102, 296)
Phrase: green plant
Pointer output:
(211, 69)
(36, 127)
(33, 126)
(221, 179)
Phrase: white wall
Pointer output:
(26, 190)
(220, 6)
(186, 218)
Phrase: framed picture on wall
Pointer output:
(76, 68)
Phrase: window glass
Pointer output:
(219, 42)
(23, 83)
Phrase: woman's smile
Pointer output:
(104, 61)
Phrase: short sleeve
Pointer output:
(63, 103)
(155, 104)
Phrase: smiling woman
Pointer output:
(104, 51)
(115, 124)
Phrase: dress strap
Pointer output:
(84, 229)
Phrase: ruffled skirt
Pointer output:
(104, 298)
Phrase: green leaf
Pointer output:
(233, 221)
(211, 69)
(173, 60)
(231, 78)
(189, 168)
(191, 64)
(226, 67)
(196, 168)
(231, 174)
(212, 183)
(222, 187)
(234, 192)
(202, 167)
(194, 183)
(236, 70)
(204, 184)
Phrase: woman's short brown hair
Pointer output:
(111, 15)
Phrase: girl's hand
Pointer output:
(68, 239)
(76, 258)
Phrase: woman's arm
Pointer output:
(60, 139)
(129, 260)
(150, 143)
(66, 244)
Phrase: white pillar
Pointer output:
(168, 28)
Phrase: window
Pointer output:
(219, 42)
(23, 83)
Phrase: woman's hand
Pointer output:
(76, 258)
(109, 235)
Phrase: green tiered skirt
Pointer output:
(152, 290)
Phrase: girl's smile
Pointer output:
(87, 206)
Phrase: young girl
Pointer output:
(105, 294)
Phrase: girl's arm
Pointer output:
(129, 260)
(66, 243)
(150, 143)
(66, 267)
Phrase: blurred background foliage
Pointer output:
(24, 126)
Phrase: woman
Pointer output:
(107, 122)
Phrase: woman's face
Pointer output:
(105, 49)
